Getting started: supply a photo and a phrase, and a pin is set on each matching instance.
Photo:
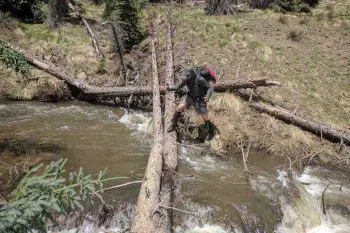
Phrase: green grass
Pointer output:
(68, 36)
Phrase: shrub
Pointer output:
(42, 192)
(295, 35)
(330, 12)
(228, 7)
(283, 19)
(13, 59)
(304, 20)
(320, 16)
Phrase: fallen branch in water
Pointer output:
(183, 211)
(323, 201)
(120, 185)
(245, 155)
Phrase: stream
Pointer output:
(218, 195)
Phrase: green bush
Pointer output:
(285, 5)
(295, 5)
(27, 10)
(42, 192)
(13, 59)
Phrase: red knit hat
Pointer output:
(212, 74)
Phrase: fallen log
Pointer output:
(145, 90)
(94, 42)
(110, 92)
(146, 218)
(170, 160)
(321, 130)
(229, 86)
(93, 38)
(58, 73)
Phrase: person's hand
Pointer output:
(206, 99)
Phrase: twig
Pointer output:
(129, 101)
(99, 196)
(118, 186)
(323, 202)
(183, 211)
(145, 135)
(237, 72)
(155, 209)
(245, 156)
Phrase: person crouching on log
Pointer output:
(197, 80)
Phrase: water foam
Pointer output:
(137, 121)
(302, 211)
(206, 228)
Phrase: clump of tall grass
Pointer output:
(283, 19)
(295, 35)
(225, 102)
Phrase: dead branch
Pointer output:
(323, 200)
(120, 185)
(93, 38)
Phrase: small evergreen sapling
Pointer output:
(44, 191)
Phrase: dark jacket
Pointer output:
(197, 85)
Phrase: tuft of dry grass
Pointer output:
(225, 102)
(295, 35)
(283, 19)
(304, 20)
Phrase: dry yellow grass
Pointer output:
(225, 102)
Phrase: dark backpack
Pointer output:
(193, 75)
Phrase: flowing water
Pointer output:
(218, 195)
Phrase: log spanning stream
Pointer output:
(216, 199)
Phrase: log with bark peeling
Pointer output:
(170, 160)
(109, 92)
(93, 38)
(321, 130)
(94, 41)
(146, 218)
(58, 73)
(145, 90)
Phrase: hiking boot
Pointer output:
(173, 123)
(171, 127)
(210, 130)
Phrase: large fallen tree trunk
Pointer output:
(109, 92)
(146, 218)
(58, 73)
(321, 130)
(140, 91)
(170, 159)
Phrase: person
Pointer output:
(198, 82)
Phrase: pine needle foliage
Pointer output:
(27, 10)
(125, 15)
(13, 59)
(45, 191)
